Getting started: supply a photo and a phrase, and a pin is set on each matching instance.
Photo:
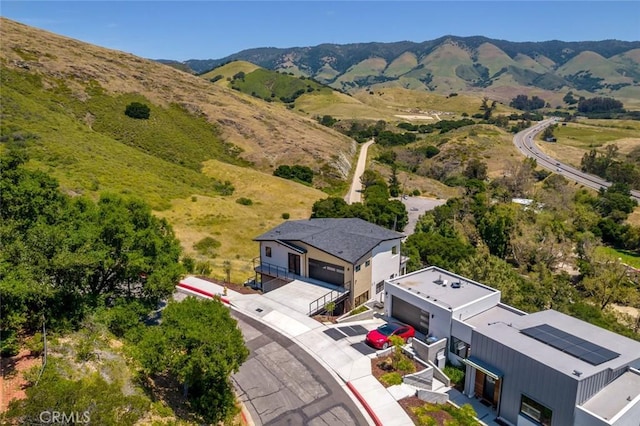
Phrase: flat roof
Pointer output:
(614, 397)
(498, 313)
(508, 333)
(439, 286)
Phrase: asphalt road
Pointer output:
(524, 141)
(281, 384)
(355, 192)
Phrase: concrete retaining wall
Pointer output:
(368, 314)
(433, 397)
(421, 380)
(439, 374)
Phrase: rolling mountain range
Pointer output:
(455, 64)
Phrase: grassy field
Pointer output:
(227, 71)
(277, 87)
(576, 139)
(235, 225)
(625, 256)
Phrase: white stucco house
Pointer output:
(349, 255)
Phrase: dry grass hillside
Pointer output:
(268, 134)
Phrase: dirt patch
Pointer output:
(378, 371)
(231, 286)
(12, 382)
(441, 417)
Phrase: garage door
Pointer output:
(410, 314)
(326, 272)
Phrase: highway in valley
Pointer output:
(524, 141)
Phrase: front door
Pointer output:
(489, 388)
(294, 264)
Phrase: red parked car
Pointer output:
(379, 338)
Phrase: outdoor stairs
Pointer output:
(335, 295)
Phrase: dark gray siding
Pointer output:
(523, 375)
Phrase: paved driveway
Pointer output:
(281, 384)
(416, 206)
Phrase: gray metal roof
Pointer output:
(508, 334)
(347, 239)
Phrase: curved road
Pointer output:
(355, 192)
(281, 384)
(524, 141)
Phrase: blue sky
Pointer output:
(214, 29)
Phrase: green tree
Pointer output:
(495, 228)
(394, 183)
(91, 398)
(137, 110)
(330, 207)
(199, 344)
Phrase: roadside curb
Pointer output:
(365, 404)
(193, 289)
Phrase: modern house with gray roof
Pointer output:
(350, 257)
(544, 368)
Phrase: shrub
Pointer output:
(455, 374)
(84, 348)
(286, 216)
(206, 246)
(358, 310)
(35, 344)
(391, 379)
(202, 268)
(9, 345)
(465, 415)
(244, 201)
(137, 110)
(189, 264)
(406, 365)
(125, 316)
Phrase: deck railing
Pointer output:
(335, 296)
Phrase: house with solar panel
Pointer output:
(544, 368)
(306, 264)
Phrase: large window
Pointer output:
(362, 298)
(459, 347)
(535, 411)
(380, 287)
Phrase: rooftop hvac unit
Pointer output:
(455, 284)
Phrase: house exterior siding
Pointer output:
(526, 376)
(384, 264)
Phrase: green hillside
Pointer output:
(92, 146)
(273, 86)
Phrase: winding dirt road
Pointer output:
(355, 192)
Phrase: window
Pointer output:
(362, 298)
(458, 347)
(535, 411)
(394, 250)
(358, 268)
(267, 251)
(379, 287)
(367, 263)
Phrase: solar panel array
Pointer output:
(568, 343)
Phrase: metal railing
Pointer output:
(336, 295)
(275, 271)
